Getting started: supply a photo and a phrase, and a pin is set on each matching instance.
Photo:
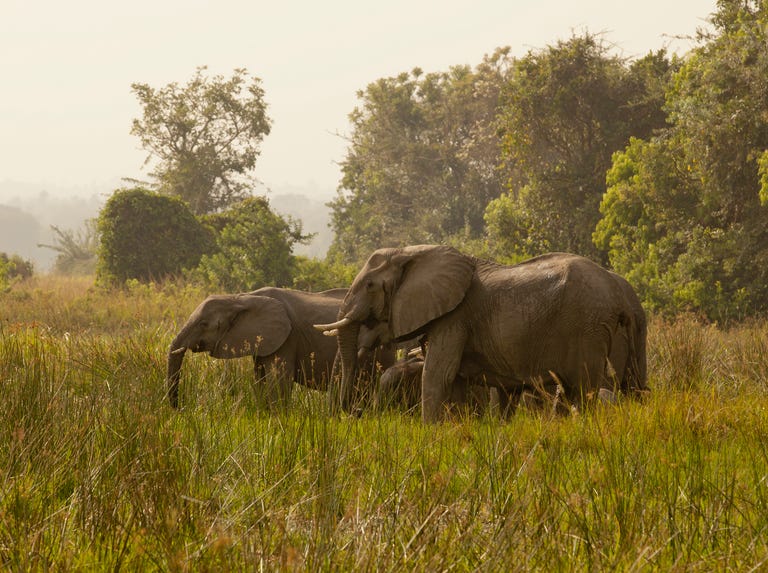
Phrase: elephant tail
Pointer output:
(635, 379)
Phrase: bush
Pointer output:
(147, 236)
(254, 248)
(13, 268)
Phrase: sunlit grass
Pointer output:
(98, 472)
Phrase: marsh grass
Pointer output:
(97, 472)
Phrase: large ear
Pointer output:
(434, 281)
(258, 323)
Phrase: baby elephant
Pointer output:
(400, 387)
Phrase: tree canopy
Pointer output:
(205, 137)
(422, 161)
(685, 214)
(254, 247)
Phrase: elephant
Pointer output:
(400, 386)
(558, 318)
(273, 325)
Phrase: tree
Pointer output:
(254, 247)
(77, 251)
(205, 136)
(566, 109)
(689, 203)
(422, 160)
(147, 236)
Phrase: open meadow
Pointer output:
(97, 472)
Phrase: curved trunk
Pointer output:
(348, 354)
(175, 359)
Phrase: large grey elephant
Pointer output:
(559, 318)
(273, 325)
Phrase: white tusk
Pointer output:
(334, 332)
(334, 325)
(180, 350)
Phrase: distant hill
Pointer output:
(27, 212)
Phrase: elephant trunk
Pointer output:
(347, 337)
(175, 360)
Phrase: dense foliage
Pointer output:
(422, 160)
(254, 247)
(147, 236)
(657, 167)
(565, 110)
(685, 214)
(205, 136)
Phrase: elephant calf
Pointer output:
(400, 386)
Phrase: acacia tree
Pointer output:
(205, 136)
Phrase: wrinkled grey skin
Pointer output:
(272, 325)
(560, 318)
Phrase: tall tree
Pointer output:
(205, 136)
(705, 243)
(566, 109)
(422, 159)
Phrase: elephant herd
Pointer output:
(557, 322)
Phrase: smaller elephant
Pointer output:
(274, 326)
(400, 386)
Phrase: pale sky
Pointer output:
(66, 68)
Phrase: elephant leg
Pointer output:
(441, 366)
(275, 386)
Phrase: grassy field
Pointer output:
(98, 473)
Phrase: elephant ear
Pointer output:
(258, 323)
(434, 282)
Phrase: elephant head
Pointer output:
(403, 289)
(228, 326)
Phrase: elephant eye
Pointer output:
(369, 284)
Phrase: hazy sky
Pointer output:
(66, 68)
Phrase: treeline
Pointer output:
(656, 167)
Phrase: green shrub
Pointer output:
(254, 248)
(147, 236)
(13, 268)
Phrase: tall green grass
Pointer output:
(98, 472)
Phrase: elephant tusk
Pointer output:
(180, 350)
(334, 325)
(334, 332)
